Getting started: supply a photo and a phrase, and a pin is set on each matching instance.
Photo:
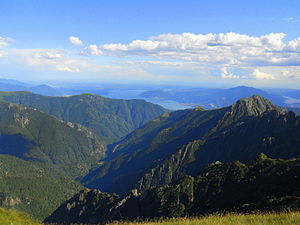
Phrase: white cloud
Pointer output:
(45, 59)
(91, 50)
(4, 41)
(227, 75)
(51, 55)
(68, 69)
(290, 20)
(75, 40)
(223, 48)
(220, 57)
(262, 75)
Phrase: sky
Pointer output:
(193, 42)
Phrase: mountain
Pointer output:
(43, 90)
(12, 85)
(183, 142)
(293, 94)
(211, 98)
(32, 135)
(34, 188)
(110, 118)
(238, 187)
(14, 82)
(294, 109)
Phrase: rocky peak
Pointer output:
(253, 106)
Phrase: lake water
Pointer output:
(134, 94)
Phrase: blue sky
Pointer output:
(195, 42)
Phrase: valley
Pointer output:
(182, 163)
(149, 112)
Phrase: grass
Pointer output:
(13, 217)
(291, 218)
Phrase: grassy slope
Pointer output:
(292, 218)
(12, 217)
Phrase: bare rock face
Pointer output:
(11, 201)
(254, 106)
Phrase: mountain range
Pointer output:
(210, 98)
(218, 187)
(42, 157)
(29, 134)
(14, 85)
(182, 142)
(173, 97)
(109, 118)
(143, 161)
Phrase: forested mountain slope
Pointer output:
(109, 118)
(183, 142)
(239, 187)
(35, 188)
(32, 135)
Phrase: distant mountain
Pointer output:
(183, 142)
(34, 188)
(44, 90)
(11, 85)
(293, 94)
(295, 110)
(110, 118)
(210, 98)
(261, 186)
(32, 135)
(14, 82)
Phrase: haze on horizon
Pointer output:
(221, 43)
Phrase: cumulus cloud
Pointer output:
(91, 50)
(4, 41)
(223, 48)
(45, 59)
(257, 74)
(225, 57)
(75, 40)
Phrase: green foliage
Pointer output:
(32, 187)
(110, 118)
(183, 142)
(232, 187)
(33, 135)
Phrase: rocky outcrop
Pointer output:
(219, 187)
